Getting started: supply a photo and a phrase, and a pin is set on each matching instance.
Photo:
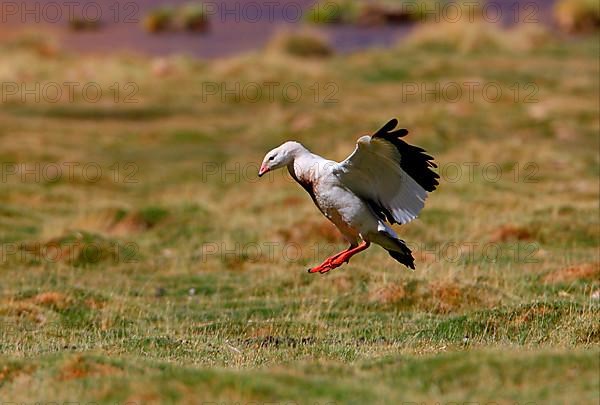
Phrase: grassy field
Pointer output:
(143, 261)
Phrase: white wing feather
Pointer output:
(373, 172)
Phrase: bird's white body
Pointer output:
(385, 180)
(348, 212)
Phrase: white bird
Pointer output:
(383, 182)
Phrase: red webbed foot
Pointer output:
(324, 267)
(339, 259)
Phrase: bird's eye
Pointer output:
(272, 157)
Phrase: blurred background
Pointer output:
(142, 260)
(224, 28)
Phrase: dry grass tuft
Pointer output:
(52, 299)
(475, 36)
(22, 309)
(31, 307)
(585, 271)
(448, 297)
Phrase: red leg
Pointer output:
(328, 261)
(345, 256)
(339, 259)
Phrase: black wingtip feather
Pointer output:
(401, 132)
(414, 160)
(387, 127)
(388, 130)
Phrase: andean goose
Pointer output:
(383, 182)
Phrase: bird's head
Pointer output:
(279, 157)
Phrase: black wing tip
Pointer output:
(415, 160)
(387, 131)
(391, 124)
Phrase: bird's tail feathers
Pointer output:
(387, 239)
(402, 254)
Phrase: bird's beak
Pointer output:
(263, 169)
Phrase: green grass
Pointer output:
(452, 376)
(196, 285)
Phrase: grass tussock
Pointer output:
(442, 297)
(376, 13)
(85, 367)
(478, 36)
(160, 19)
(84, 24)
(193, 17)
(304, 45)
(44, 46)
(577, 16)
(189, 17)
(333, 12)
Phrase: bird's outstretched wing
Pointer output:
(392, 176)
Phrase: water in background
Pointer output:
(235, 25)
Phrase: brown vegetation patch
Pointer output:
(585, 271)
(10, 372)
(448, 297)
(439, 296)
(80, 367)
(23, 309)
(451, 296)
(120, 222)
(128, 225)
(511, 232)
(51, 299)
(31, 307)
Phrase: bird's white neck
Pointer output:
(306, 168)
